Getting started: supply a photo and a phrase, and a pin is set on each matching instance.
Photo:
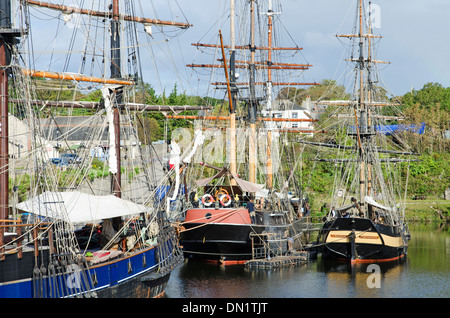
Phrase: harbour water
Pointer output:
(424, 274)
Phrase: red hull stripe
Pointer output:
(222, 215)
(369, 261)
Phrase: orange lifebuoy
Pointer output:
(210, 201)
(228, 201)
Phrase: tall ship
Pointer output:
(365, 222)
(81, 213)
(244, 208)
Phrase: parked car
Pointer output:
(66, 159)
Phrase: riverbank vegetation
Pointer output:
(429, 177)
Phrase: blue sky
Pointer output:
(416, 40)
(416, 37)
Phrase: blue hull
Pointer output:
(123, 277)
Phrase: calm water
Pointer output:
(425, 273)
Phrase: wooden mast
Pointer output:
(232, 95)
(116, 73)
(363, 121)
(4, 149)
(252, 66)
(8, 37)
(269, 97)
(360, 106)
(369, 95)
(252, 101)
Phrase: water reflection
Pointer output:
(360, 280)
(424, 273)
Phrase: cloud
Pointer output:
(415, 38)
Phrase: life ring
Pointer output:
(227, 202)
(210, 199)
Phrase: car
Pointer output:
(66, 159)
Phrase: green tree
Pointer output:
(430, 105)
(431, 95)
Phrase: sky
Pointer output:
(416, 40)
(416, 37)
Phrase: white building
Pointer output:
(287, 109)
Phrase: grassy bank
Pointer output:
(429, 210)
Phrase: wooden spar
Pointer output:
(197, 117)
(228, 118)
(351, 103)
(96, 105)
(373, 116)
(369, 61)
(244, 47)
(287, 119)
(226, 72)
(265, 83)
(164, 108)
(269, 62)
(299, 130)
(67, 9)
(358, 36)
(74, 77)
(233, 167)
(260, 67)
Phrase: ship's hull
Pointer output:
(224, 243)
(228, 240)
(359, 240)
(124, 277)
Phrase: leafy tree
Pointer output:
(431, 105)
(431, 95)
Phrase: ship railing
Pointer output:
(12, 236)
(260, 247)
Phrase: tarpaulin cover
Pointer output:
(78, 207)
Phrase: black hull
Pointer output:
(218, 242)
(360, 240)
(232, 243)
